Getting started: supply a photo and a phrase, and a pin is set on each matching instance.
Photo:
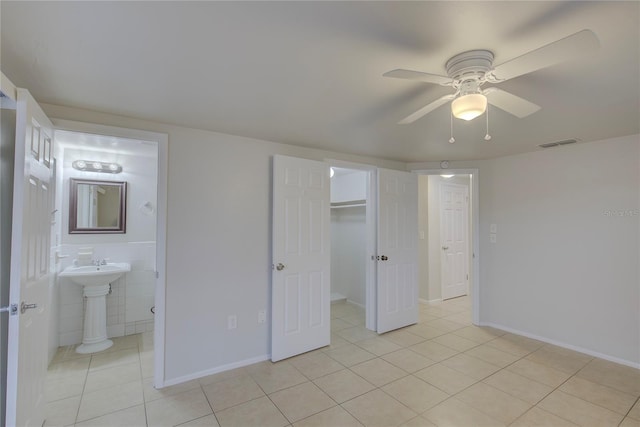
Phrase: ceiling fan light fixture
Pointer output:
(468, 107)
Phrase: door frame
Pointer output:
(371, 316)
(162, 140)
(474, 270)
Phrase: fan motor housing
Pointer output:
(470, 64)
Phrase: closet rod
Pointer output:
(349, 204)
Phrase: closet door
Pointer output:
(301, 288)
(397, 281)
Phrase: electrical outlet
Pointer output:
(262, 316)
(493, 228)
(232, 321)
(492, 238)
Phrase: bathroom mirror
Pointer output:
(97, 207)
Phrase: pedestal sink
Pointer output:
(95, 279)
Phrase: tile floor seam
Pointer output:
(630, 409)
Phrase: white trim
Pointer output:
(563, 345)
(216, 370)
(475, 235)
(162, 140)
(355, 303)
(371, 212)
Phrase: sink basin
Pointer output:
(95, 280)
(96, 275)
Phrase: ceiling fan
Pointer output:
(467, 72)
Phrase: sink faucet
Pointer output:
(98, 262)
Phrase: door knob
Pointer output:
(280, 266)
(444, 248)
(384, 257)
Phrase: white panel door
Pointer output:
(397, 250)
(454, 237)
(300, 302)
(30, 274)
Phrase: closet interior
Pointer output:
(348, 235)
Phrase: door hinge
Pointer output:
(467, 277)
(11, 309)
(157, 274)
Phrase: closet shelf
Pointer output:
(348, 204)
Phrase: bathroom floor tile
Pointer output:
(114, 358)
(537, 372)
(539, 417)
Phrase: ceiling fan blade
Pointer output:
(419, 76)
(510, 103)
(570, 47)
(426, 109)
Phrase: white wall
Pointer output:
(347, 187)
(218, 240)
(564, 268)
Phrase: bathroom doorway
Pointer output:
(135, 303)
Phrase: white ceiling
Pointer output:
(310, 73)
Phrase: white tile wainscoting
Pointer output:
(131, 298)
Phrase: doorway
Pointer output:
(353, 236)
(136, 303)
(449, 244)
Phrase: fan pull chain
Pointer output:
(487, 137)
(452, 139)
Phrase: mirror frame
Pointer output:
(73, 208)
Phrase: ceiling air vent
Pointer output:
(558, 143)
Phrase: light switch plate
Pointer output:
(493, 228)
(492, 238)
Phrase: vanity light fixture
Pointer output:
(93, 166)
(447, 176)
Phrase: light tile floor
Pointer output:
(441, 372)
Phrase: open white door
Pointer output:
(30, 274)
(301, 289)
(454, 237)
(397, 249)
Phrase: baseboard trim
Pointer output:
(215, 370)
(355, 303)
(563, 345)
